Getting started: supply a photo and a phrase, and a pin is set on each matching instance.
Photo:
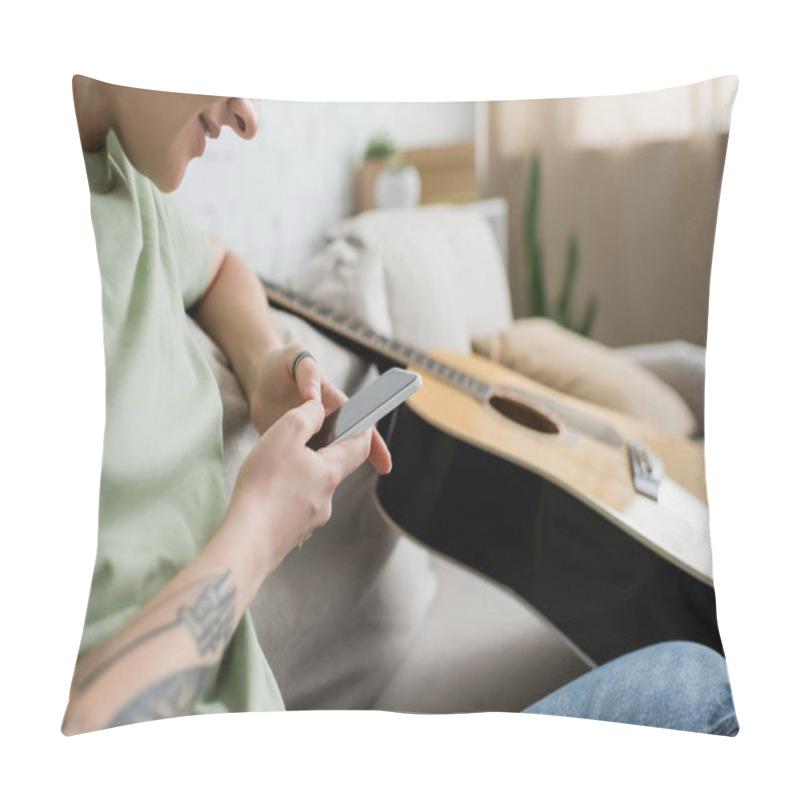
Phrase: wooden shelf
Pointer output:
(447, 175)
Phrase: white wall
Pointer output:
(271, 198)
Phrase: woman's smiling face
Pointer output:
(162, 131)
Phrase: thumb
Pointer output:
(308, 418)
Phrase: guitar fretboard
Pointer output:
(353, 330)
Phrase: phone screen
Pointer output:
(366, 407)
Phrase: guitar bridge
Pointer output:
(647, 469)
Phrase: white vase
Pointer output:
(397, 187)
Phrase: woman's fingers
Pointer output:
(306, 373)
(332, 397)
(312, 384)
(308, 418)
(379, 454)
(346, 456)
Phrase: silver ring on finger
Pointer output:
(298, 358)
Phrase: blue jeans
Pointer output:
(678, 685)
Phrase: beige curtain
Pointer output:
(636, 178)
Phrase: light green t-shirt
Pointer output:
(162, 492)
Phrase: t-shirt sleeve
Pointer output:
(192, 249)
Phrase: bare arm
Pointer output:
(156, 665)
(233, 311)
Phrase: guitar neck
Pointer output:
(366, 342)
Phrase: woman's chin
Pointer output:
(169, 182)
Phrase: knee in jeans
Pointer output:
(695, 675)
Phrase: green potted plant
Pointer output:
(540, 305)
(394, 183)
(380, 148)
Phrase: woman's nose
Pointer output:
(242, 116)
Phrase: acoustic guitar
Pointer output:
(598, 520)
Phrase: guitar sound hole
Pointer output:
(523, 414)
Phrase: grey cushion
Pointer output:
(681, 365)
(481, 649)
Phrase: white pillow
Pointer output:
(349, 279)
(443, 275)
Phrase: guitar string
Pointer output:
(351, 327)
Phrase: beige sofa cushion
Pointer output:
(580, 367)
(481, 649)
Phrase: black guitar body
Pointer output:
(603, 589)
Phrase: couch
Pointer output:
(364, 617)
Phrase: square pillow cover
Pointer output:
(537, 545)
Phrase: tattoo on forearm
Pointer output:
(172, 697)
(209, 620)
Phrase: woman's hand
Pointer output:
(277, 391)
(234, 312)
(284, 489)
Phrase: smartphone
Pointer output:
(366, 407)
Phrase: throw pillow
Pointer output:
(580, 367)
